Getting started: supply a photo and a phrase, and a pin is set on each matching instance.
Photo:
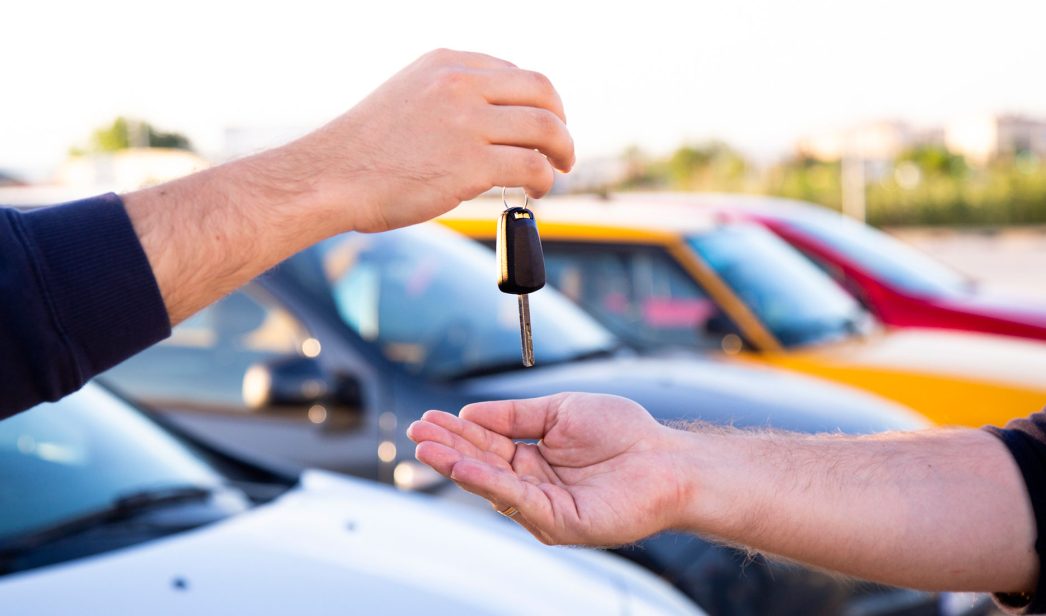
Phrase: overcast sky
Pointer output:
(653, 73)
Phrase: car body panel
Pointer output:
(969, 309)
(335, 545)
(949, 377)
(713, 391)
(954, 379)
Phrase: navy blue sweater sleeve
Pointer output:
(77, 296)
(1026, 440)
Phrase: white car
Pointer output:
(106, 512)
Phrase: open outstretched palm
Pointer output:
(601, 472)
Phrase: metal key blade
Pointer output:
(524, 330)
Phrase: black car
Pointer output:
(326, 359)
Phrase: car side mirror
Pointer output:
(294, 384)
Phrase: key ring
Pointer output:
(504, 199)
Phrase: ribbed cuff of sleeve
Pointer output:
(1023, 438)
(98, 281)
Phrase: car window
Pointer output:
(638, 292)
(64, 459)
(203, 363)
(427, 298)
(889, 259)
(796, 301)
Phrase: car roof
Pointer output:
(678, 213)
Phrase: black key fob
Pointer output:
(521, 263)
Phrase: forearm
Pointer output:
(211, 232)
(443, 130)
(935, 509)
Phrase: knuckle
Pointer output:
(561, 397)
(535, 163)
(545, 124)
(453, 91)
(541, 82)
(452, 79)
(440, 54)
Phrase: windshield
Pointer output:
(63, 460)
(887, 258)
(428, 299)
(796, 301)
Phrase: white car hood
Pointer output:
(336, 545)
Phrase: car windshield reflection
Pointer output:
(428, 299)
(79, 455)
(796, 301)
(889, 259)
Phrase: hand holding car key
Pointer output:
(521, 264)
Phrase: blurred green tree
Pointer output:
(806, 179)
(935, 159)
(713, 165)
(126, 133)
(925, 185)
(641, 171)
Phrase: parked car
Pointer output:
(903, 286)
(106, 512)
(325, 360)
(668, 271)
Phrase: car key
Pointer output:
(521, 265)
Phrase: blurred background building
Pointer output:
(987, 137)
(878, 140)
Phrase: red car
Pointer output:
(901, 285)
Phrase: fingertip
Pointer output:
(411, 430)
(442, 419)
(545, 182)
(534, 195)
(425, 450)
(423, 430)
(570, 164)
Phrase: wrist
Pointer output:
(324, 172)
(285, 185)
(711, 465)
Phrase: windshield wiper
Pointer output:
(123, 507)
(488, 369)
(600, 353)
(515, 364)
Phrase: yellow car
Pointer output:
(674, 271)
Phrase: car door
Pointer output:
(639, 292)
(245, 375)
